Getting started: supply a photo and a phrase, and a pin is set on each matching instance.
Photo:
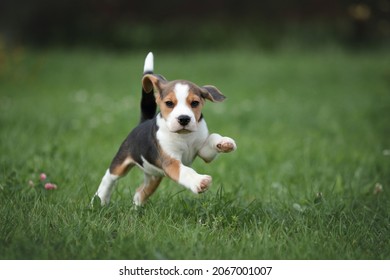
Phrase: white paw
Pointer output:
(201, 183)
(226, 145)
(137, 201)
(99, 201)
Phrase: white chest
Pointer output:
(183, 147)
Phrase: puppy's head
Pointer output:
(180, 101)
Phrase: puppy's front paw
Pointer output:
(226, 145)
(201, 183)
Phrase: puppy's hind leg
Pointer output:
(118, 169)
(105, 188)
(146, 189)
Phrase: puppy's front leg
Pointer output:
(195, 182)
(186, 176)
(214, 145)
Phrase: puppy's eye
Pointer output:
(169, 104)
(194, 104)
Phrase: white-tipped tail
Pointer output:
(148, 66)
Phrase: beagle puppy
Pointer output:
(166, 143)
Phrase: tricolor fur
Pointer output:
(166, 143)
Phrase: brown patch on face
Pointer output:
(120, 168)
(195, 102)
(166, 101)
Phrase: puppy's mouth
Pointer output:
(183, 131)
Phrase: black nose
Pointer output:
(184, 120)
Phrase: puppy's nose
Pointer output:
(184, 120)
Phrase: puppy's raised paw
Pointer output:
(226, 145)
(202, 184)
(205, 183)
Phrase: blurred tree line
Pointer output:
(193, 24)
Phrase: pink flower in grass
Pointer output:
(44, 181)
(50, 186)
(42, 176)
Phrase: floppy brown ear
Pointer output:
(212, 93)
(151, 81)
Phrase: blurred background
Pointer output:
(308, 86)
(177, 24)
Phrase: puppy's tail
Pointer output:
(148, 101)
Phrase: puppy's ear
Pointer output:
(212, 93)
(151, 81)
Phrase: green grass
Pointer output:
(306, 123)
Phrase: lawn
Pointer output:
(310, 178)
